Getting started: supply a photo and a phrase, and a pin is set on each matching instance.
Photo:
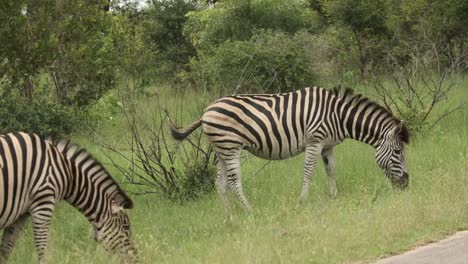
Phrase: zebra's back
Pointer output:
(271, 126)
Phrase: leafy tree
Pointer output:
(365, 22)
(75, 45)
(429, 24)
(163, 22)
(240, 19)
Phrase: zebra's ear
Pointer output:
(116, 209)
(393, 131)
(123, 200)
(401, 132)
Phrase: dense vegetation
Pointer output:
(61, 57)
(65, 67)
(107, 73)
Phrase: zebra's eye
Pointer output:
(397, 151)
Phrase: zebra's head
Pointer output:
(114, 230)
(390, 155)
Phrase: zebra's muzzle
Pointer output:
(401, 182)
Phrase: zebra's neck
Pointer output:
(90, 186)
(363, 120)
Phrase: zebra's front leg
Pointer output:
(10, 235)
(235, 183)
(329, 162)
(312, 151)
(40, 218)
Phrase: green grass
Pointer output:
(366, 221)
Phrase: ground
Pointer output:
(452, 250)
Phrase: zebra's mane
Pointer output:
(349, 96)
(71, 151)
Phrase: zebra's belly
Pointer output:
(12, 204)
(275, 154)
(9, 213)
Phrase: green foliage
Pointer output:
(162, 24)
(269, 61)
(104, 109)
(239, 20)
(78, 46)
(65, 38)
(130, 54)
(427, 24)
(245, 46)
(363, 24)
(363, 16)
(38, 115)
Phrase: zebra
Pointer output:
(279, 126)
(37, 173)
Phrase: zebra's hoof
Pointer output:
(302, 201)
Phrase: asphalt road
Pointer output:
(453, 250)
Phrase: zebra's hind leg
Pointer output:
(234, 181)
(222, 186)
(329, 162)
(10, 234)
(312, 151)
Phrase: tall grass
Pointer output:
(367, 220)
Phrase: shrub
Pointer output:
(238, 20)
(269, 61)
(155, 163)
(198, 179)
(418, 88)
(35, 115)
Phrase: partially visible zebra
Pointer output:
(279, 126)
(36, 174)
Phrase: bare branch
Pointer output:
(149, 158)
(446, 114)
(420, 85)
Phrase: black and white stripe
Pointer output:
(35, 174)
(314, 120)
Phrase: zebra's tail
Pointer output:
(181, 133)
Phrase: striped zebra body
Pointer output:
(36, 174)
(279, 126)
(269, 126)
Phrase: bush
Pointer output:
(37, 115)
(268, 62)
(152, 161)
(238, 20)
(198, 179)
(418, 88)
